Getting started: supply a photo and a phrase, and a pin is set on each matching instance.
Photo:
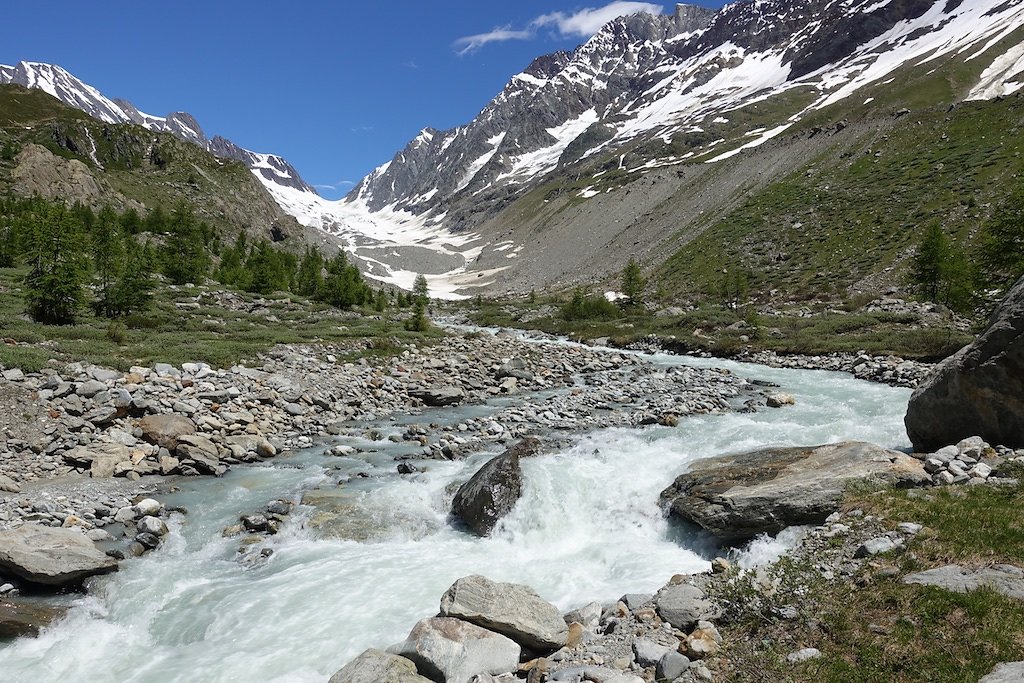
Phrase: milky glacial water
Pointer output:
(588, 527)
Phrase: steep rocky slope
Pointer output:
(52, 150)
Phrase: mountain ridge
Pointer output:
(652, 76)
(69, 89)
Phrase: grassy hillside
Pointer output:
(825, 228)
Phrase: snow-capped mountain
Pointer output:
(646, 77)
(272, 170)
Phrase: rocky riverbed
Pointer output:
(81, 445)
(129, 431)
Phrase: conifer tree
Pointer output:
(185, 257)
(107, 250)
(343, 286)
(939, 272)
(132, 291)
(1002, 242)
(310, 278)
(230, 270)
(633, 283)
(420, 297)
(57, 266)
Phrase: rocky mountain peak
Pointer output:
(548, 66)
(272, 170)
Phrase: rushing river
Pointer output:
(587, 528)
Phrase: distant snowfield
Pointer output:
(394, 246)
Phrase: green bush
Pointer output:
(585, 306)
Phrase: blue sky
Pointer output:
(335, 87)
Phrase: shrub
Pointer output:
(585, 306)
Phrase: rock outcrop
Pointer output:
(736, 497)
(40, 172)
(1002, 578)
(51, 557)
(492, 492)
(453, 651)
(979, 390)
(511, 609)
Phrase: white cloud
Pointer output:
(588, 21)
(473, 43)
(339, 185)
(580, 24)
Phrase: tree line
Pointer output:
(78, 258)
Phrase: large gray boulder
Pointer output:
(492, 492)
(737, 497)
(979, 390)
(374, 666)
(52, 557)
(683, 605)
(510, 609)
(450, 650)
(164, 430)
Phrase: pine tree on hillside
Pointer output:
(57, 266)
(310, 278)
(230, 270)
(939, 272)
(132, 291)
(633, 283)
(107, 249)
(185, 257)
(420, 288)
(268, 269)
(344, 286)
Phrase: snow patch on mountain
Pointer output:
(532, 164)
(477, 165)
(936, 33)
(1004, 76)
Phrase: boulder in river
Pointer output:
(20, 618)
(438, 397)
(374, 666)
(52, 557)
(979, 390)
(510, 609)
(453, 651)
(492, 492)
(737, 497)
